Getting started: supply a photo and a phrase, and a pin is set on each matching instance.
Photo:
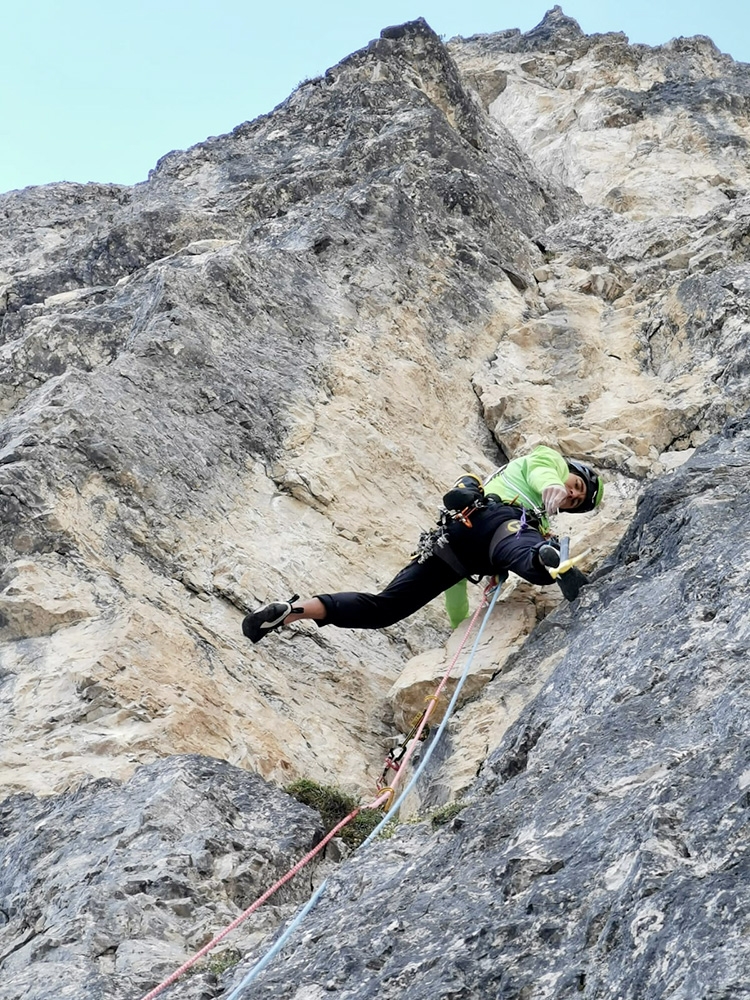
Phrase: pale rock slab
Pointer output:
(632, 128)
(516, 614)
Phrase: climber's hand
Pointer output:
(552, 497)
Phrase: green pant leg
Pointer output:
(457, 603)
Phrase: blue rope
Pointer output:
(279, 944)
(281, 941)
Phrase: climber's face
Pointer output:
(576, 489)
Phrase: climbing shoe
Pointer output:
(571, 581)
(268, 618)
(548, 556)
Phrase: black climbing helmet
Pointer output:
(594, 486)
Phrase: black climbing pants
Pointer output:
(496, 542)
(413, 587)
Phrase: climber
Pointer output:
(483, 531)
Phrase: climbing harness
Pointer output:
(384, 800)
(459, 504)
(470, 490)
(435, 543)
(462, 499)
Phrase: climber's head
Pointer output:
(585, 488)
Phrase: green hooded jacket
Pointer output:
(521, 482)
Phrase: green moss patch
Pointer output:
(447, 813)
(333, 805)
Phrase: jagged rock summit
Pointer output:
(254, 374)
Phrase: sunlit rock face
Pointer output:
(254, 375)
(643, 296)
(247, 376)
(645, 132)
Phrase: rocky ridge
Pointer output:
(255, 373)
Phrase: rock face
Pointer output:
(253, 375)
(604, 849)
(628, 280)
(645, 132)
(210, 382)
(123, 883)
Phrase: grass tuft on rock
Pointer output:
(333, 805)
(447, 813)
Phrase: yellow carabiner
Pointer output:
(555, 571)
(391, 793)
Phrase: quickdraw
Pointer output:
(395, 755)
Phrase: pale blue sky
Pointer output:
(92, 90)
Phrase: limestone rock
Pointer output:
(645, 351)
(37, 601)
(120, 884)
(642, 131)
(231, 383)
(254, 375)
(602, 851)
(518, 610)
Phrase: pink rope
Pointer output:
(384, 797)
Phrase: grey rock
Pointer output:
(169, 363)
(109, 888)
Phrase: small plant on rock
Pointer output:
(223, 961)
(447, 813)
(333, 805)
